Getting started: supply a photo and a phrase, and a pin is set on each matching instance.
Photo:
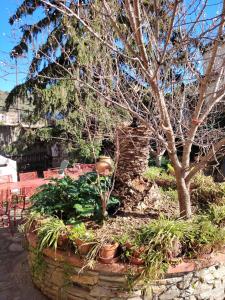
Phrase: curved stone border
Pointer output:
(63, 278)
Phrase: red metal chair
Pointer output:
(5, 206)
(87, 168)
(28, 176)
(5, 178)
(72, 171)
(23, 200)
(51, 173)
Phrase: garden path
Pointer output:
(15, 279)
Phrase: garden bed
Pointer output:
(61, 275)
(77, 239)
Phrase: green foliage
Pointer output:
(68, 198)
(216, 214)
(161, 177)
(165, 239)
(30, 221)
(205, 190)
(79, 231)
(169, 194)
(38, 266)
(161, 233)
(206, 236)
(164, 162)
(49, 232)
(55, 198)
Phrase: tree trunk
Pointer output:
(158, 160)
(183, 190)
(133, 155)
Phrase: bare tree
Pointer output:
(160, 63)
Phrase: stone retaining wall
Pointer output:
(59, 276)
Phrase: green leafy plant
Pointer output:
(68, 198)
(216, 214)
(206, 236)
(161, 177)
(29, 222)
(79, 231)
(49, 232)
(167, 239)
(205, 191)
(164, 162)
(169, 194)
(38, 264)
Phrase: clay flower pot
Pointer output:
(84, 247)
(134, 257)
(107, 253)
(104, 165)
(63, 240)
(136, 261)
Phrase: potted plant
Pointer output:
(134, 253)
(82, 239)
(108, 251)
(49, 232)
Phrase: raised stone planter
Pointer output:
(59, 276)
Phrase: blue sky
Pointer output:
(9, 35)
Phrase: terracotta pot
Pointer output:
(108, 251)
(63, 240)
(205, 250)
(104, 165)
(136, 260)
(84, 247)
(136, 252)
(111, 260)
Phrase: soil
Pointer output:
(118, 226)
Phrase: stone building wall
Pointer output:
(8, 134)
(59, 276)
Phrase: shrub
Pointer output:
(79, 231)
(204, 190)
(169, 194)
(206, 236)
(164, 162)
(68, 198)
(165, 239)
(216, 214)
(161, 177)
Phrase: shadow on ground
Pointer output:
(15, 279)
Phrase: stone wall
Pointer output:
(59, 276)
(8, 134)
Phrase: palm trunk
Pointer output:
(133, 155)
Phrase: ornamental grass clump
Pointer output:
(216, 214)
(162, 240)
(167, 241)
(205, 191)
(161, 177)
(49, 233)
(206, 237)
